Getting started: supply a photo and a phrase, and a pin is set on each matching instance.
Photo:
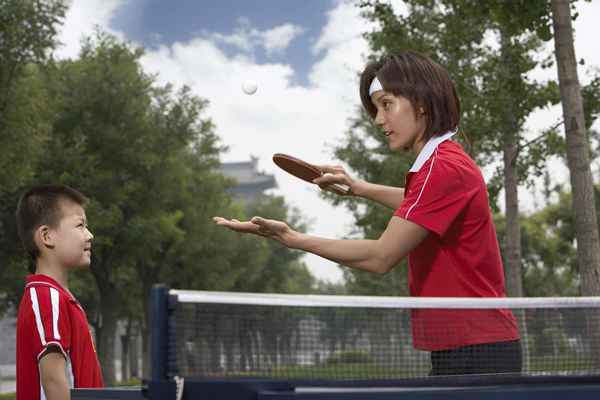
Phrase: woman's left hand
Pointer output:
(269, 228)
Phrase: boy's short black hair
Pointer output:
(41, 205)
(425, 83)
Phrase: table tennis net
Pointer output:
(226, 335)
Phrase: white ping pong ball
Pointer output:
(249, 86)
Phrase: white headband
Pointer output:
(375, 86)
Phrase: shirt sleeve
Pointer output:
(436, 197)
(50, 320)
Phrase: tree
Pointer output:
(578, 158)
(132, 148)
(508, 98)
(27, 35)
(548, 257)
(28, 32)
(496, 94)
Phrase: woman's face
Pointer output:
(401, 125)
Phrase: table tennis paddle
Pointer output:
(305, 171)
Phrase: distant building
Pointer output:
(250, 182)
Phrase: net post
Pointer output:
(171, 361)
(159, 349)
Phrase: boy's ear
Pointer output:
(44, 237)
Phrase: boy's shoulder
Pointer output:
(37, 280)
(45, 285)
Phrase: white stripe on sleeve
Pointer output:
(38, 319)
(69, 372)
(42, 393)
(55, 312)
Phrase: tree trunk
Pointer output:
(512, 236)
(146, 329)
(510, 129)
(134, 354)
(125, 357)
(126, 341)
(106, 336)
(512, 240)
(578, 157)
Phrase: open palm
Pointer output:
(270, 228)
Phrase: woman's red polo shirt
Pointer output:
(446, 194)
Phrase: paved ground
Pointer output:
(8, 386)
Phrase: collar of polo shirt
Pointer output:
(429, 148)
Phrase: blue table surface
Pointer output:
(232, 391)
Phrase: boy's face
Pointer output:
(71, 239)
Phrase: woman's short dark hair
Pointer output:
(425, 83)
(41, 205)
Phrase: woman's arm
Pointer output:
(389, 196)
(379, 256)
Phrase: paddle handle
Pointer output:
(340, 189)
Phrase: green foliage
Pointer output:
(549, 255)
(28, 29)
(523, 15)
(591, 100)
(325, 287)
(28, 32)
(489, 51)
(27, 35)
(496, 94)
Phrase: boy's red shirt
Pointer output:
(50, 316)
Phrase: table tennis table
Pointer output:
(162, 382)
(530, 389)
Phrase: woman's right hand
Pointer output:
(335, 175)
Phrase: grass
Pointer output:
(332, 371)
(565, 362)
(8, 396)
(130, 382)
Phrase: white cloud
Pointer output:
(81, 20)
(247, 38)
(343, 24)
(244, 36)
(342, 48)
(280, 117)
(277, 39)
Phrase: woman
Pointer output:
(442, 219)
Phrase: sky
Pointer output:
(305, 57)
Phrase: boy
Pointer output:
(55, 351)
